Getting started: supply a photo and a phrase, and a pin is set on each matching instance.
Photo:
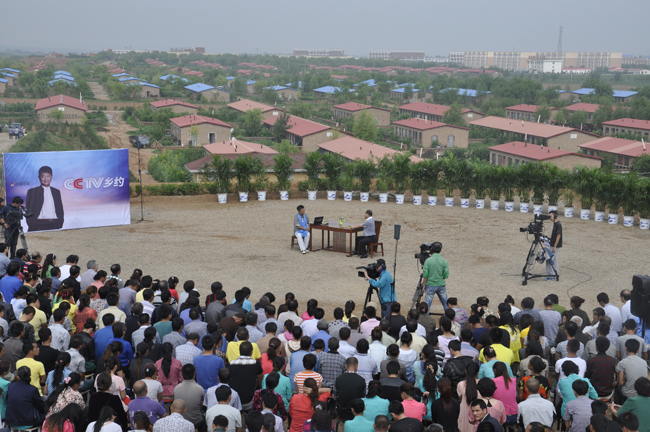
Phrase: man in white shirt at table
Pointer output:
(301, 229)
(369, 235)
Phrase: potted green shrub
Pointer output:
(630, 196)
(508, 178)
(283, 169)
(243, 174)
(479, 182)
(261, 182)
(464, 181)
(220, 172)
(431, 180)
(449, 166)
(348, 182)
(644, 204)
(332, 165)
(601, 180)
(313, 168)
(585, 186)
(495, 187)
(364, 170)
(538, 184)
(418, 177)
(384, 178)
(555, 183)
(401, 173)
(569, 181)
(614, 188)
(523, 183)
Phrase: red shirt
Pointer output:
(300, 410)
(414, 409)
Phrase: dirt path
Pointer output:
(98, 90)
(117, 137)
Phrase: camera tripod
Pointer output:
(21, 236)
(536, 247)
(419, 292)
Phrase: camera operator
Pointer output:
(434, 273)
(10, 217)
(552, 267)
(384, 283)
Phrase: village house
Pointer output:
(627, 125)
(354, 109)
(73, 109)
(425, 133)
(207, 130)
(305, 134)
(517, 152)
(435, 112)
(245, 105)
(178, 107)
(624, 151)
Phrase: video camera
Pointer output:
(426, 250)
(16, 215)
(537, 226)
(370, 269)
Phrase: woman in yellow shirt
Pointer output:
(65, 296)
(507, 323)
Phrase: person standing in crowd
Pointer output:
(434, 273)
(552, 265)
(384, 283)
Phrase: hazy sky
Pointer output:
(239, 26)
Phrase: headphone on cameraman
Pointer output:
(383, 263)
(435, 246)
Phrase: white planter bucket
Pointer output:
(383, 197)
(331, 195)
(399, 198)
(449, 201)
(365, 196)
(480, 204)
(510, 206)
(284, 195)
(568, 212)
(417, 199)
(537, 209)
(261, 195)
(347, 196)
(524, 207)
(432, 200)
(552, 208)
(311, 195)
(585, 214)
(243, 196)
(644, 224)
(494, 204)
(612, 219)
(599, 216)
(222, 198)
(464, 203)
(628, 221)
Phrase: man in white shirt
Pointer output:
(369, 235)
(45, 202)
(60, 336)
(611, 311)
(70, 261)
(310, 327)
(572, 348)
(345, 349)
(626, 299)
(535, 408)
(291, 314)
(223, 408)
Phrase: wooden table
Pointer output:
(339, 234)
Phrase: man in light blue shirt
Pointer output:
(369, 235)
(301, 229)
(385, 286)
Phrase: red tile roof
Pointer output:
(353, 106)
(300, 126)
(245, 105)
(629, 123)
(523, 108)
(533, 151)
(421, 124)
(171, 102)
(354, 148)
(620, 146)
(60, 100)
(590, 108)
(236, 146)
(425, 108)
(190, 120)
(524, 127)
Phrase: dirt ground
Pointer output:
(98, 91)
(247, 244)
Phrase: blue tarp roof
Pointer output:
(624, 93)
(51, 83)
(173, 78)
(466, 92)
(10, 70)
(405, 84)
(584, 91)
(249, 82)
(290, 84)
(402, 89)
(223, 89)
(370, 83)
(61, 76)
(199, 87)
(276, 87)
(329, 89)
(123, 74)
(144, 83)
(62, 72)
(2, 80)
(230, 78)
(7, 74)
(128, 78)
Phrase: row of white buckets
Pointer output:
(585, 214)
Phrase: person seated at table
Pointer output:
(301, 229)
(369, 235)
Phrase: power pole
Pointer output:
(559, 42)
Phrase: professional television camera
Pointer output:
(371, 269)
(14, 217)
(536, 226)
(426, 250)
(540, 250)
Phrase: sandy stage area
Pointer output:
(248, 245)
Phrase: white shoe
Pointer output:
(304, 251)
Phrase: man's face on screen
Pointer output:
(45, 178)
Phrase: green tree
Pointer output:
(253, 122)
(577, 118)
(365, 127)
(454, 117)
(269, 96)
(408, 92)
(641, 165)
(286, 147)
(56, 115)
(543, 112)
(602, 114)
(383, 87)
(560, 118)
(280, 127)
(302, 109)
(239, 86)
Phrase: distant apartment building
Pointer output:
(425, 133)
(525, 112)
(457, 57)
(397, 55)
(184, 50)
(516, 60)
(627, 125)
(339, 52)
(542, 65)
(634, 60)
(381, 116)
(435, 112)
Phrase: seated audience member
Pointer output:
(25, 405)
(445, 409)
(638, 405)
(601, 368)
(535, 408)
(359, 423)
(480, 413)
(402, 423)
(577, 412)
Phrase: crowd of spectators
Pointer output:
(92, 349)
